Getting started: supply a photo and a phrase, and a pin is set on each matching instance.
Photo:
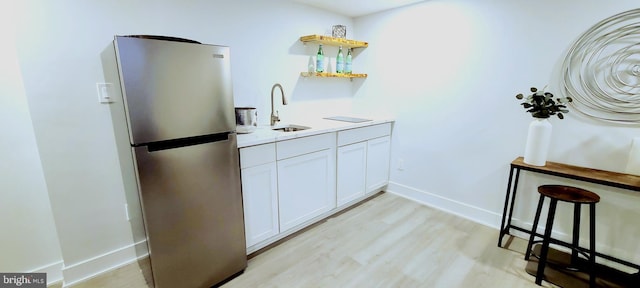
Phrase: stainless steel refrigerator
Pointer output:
(179, 107)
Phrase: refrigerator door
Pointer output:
(192, 210)
(174, 89)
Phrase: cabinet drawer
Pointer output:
(362, 134)
(305, 145)
(257, 155)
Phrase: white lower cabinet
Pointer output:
(259, 192)
(363, 161)
(378, 150)
(351, 172)
(306, 187)
(288, 184)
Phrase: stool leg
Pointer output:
(592, 244)
(576, 234)
(542, 262)
(536, 219)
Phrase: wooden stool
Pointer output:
(578, 197)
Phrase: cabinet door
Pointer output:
(378, 163)
(260, 196)
(306, 187)
(352, 165)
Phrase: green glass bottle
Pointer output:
(320, 60)
(348, 62)
(340, 61)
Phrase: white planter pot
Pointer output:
(538, 141)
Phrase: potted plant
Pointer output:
(541, 105)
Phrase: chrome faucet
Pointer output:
(274, 116)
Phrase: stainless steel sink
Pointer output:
(290, 128)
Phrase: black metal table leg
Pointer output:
(504, 210)
(504, 228)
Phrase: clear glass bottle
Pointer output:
(320, 60)
(348, 62)
(340, 61)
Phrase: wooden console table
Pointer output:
(607, 178)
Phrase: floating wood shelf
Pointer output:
(332, 41)
(332, 75)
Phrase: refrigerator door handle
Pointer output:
(189, 141)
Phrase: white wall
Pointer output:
(29, 241)
(59, 50)
(449, 72)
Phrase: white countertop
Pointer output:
(264, 134)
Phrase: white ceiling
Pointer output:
(356, 8)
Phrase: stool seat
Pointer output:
(569, 194)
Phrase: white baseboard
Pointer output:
(53, 270)
(473, 213)
(76, 273)
(476, 214)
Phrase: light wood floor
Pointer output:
(387, 241)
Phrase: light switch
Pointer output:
(105, 92)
